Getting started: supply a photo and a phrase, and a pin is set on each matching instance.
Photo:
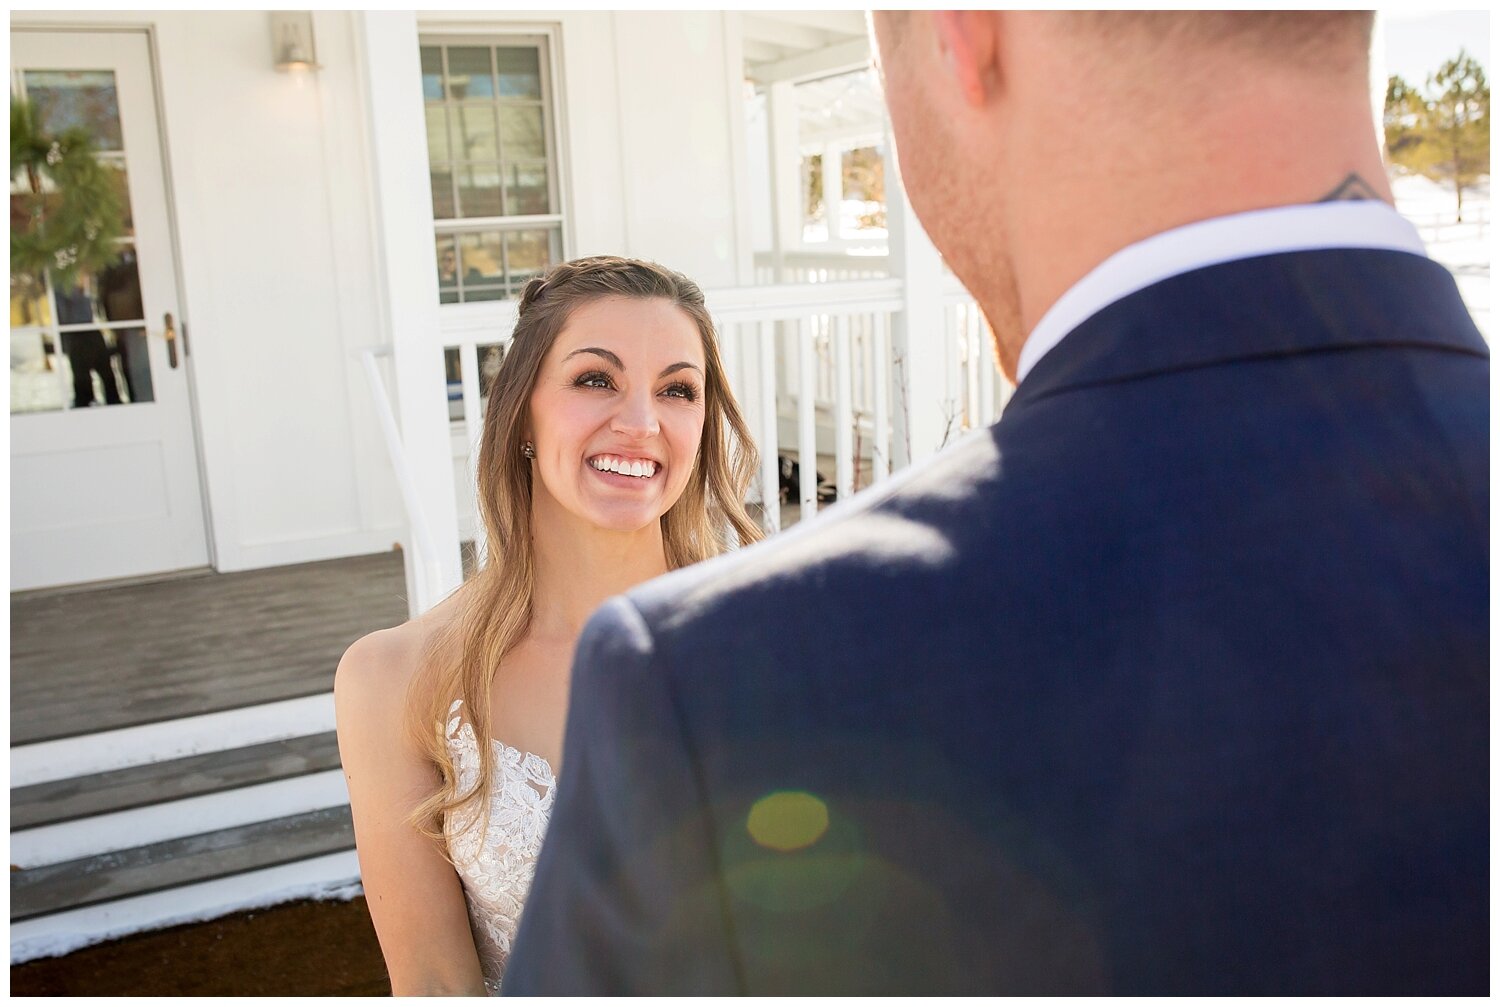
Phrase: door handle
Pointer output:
(171, 336)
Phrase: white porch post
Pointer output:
(404, 253)
(920, 344)
(786, 173)
(833, 189)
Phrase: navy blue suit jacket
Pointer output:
(1172, 681)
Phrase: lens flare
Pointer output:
(788, 820)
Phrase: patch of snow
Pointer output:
(1464, 248)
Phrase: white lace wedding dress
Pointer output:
(496, 863)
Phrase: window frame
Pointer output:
(548, 39)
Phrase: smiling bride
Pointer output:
(613, 451)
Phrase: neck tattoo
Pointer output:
(1352, 187)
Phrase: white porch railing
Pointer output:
(820, 266)
(832, 337)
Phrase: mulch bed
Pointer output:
(298, 949)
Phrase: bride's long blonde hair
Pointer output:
(495, 606)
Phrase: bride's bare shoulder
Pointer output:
(377, 668)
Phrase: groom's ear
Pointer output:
(969, 44)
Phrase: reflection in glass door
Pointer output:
(80, 344)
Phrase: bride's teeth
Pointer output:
(640, 470)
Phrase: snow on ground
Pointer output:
(1464, 248)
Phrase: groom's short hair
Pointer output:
(1303, 37)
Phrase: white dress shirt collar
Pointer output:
(1361, 224)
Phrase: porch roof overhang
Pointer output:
(796, 46)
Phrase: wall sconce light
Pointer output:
(292, 40)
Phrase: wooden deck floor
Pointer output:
(117, 656)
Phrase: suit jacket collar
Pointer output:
(1268, 306)
(1299, 228)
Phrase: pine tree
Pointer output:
(65, 210)
(1445, 133)
(1460, 123)
(1405, 120)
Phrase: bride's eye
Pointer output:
(682, 390)
(593, 379)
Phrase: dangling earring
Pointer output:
(528, 450)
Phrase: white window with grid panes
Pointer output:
(492, 154)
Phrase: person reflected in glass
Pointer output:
(87, 352)
(448, 275)
(120, 298)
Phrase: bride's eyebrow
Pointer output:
(617, 362)
(598, 352)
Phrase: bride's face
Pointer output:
(616, 415)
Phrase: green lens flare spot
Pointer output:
(787, 820)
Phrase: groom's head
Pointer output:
(1032, 142)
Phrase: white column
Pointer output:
(786, 172)
(409, 288)
(739, 146)
(919, 344)
(833, 189)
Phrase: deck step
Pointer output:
(139, 786)
(143, 869)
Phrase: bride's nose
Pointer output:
(636, 418)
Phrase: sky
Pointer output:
(1417, 42)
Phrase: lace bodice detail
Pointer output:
(496, 863)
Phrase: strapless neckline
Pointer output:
(519, 751)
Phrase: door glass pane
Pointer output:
(474, 133)
(521, 132)
(469, 73)
(520, 74)
(111, 294)
(133, 364)
(28, 301)
(67, 98)
(121, 184)
(34, 382)
(478, 190)
(117, 290)
(89, 362)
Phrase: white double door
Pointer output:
(104, 467)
